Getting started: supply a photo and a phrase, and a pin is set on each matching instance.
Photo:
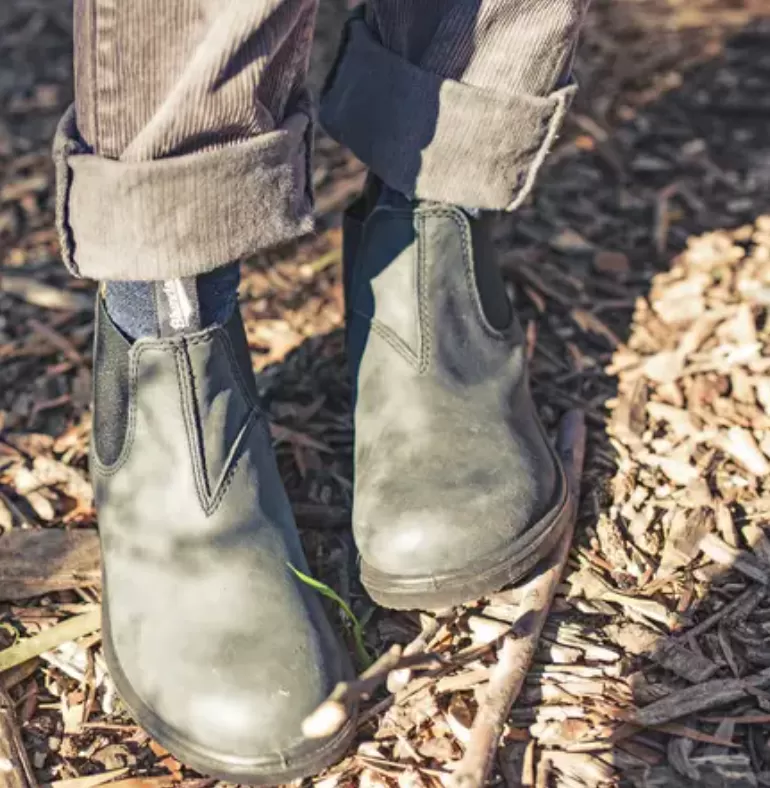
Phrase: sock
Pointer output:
(132, 307)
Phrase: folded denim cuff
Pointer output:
(182, 215)
(435, 138)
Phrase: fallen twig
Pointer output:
(91, 780)
(518, 649)
(332, 714)
(48, 639)
(399, 679)
(747, 596)
(16, 771)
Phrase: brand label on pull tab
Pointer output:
(176, 301)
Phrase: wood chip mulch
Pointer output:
(641, 270)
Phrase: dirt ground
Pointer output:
(641, 269)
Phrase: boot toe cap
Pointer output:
(453, 531)
(465, 485)
(230, 704)
(242, 731)
(443, 535)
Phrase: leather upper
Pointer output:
(208, 626)
(451, 463)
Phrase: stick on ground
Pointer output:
(332, 714)
(15, 768)
(518, 649)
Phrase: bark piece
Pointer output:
(707, 695)
(669, 653)
(38, 561)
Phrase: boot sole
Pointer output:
(481, 578)
(273, 770)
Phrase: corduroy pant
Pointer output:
(189, 142)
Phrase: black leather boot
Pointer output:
(457, 488)
(217, 648)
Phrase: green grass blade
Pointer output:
(362, 653)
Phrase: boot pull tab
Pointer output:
(177, 306)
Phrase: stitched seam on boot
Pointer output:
(423, 307)
(390, 336)
(235, 369)
(223, 483)
(393, 340)
(192, 427)
(470, 278)
(381, 329)
(138, 351)
(208, 497)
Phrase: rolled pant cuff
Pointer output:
(435, 138)
(182, 215)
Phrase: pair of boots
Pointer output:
(217, 647)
